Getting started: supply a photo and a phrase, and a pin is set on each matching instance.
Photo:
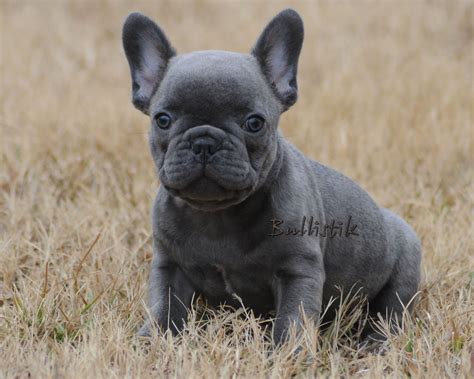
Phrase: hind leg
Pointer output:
(398, 293)
(396, 297)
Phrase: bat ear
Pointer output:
(148, 52)
(277, 50)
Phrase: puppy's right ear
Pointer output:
(148, 52)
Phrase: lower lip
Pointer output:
(208, 201)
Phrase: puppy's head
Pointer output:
(214, 114)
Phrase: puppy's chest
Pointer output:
(225, 264)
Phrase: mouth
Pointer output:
(205, 200)
(205, 194)
(207, 204)
(213, 205)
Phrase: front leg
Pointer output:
(170, 296)
(298, 286)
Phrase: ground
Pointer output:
(386, 97)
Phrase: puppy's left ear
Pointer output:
(148, 52)
(277, 50)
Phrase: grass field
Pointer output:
(386, 97)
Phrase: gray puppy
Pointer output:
(241, 211)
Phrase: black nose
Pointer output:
(204, 146)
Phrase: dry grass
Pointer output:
(386, 96)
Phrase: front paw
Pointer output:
(374, 343)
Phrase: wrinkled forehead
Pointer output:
(210, 81)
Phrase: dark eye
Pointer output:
(254, 123)
(163, 120)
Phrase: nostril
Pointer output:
(204, 145)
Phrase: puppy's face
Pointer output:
(213, 130)
(214, 114)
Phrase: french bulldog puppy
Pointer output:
(240, 210)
